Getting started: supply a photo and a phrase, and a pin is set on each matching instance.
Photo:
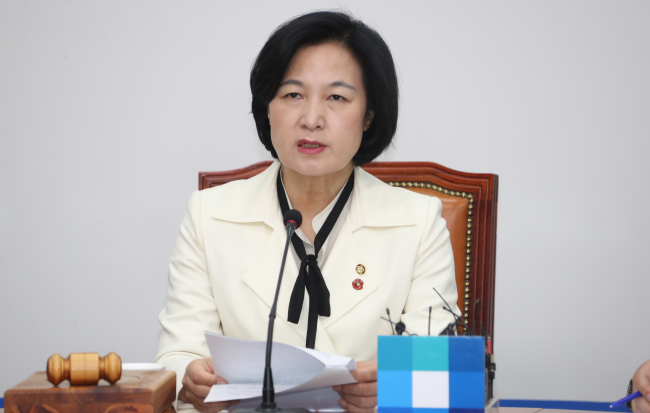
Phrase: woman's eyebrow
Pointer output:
(292, 82)
(342, 84)
(338, 83)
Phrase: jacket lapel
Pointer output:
(256, 201)
(374, 205)
(340, 272)
(262, 277)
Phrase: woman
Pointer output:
(325, 102)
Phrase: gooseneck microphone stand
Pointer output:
(292, 221)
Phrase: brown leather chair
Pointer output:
(469, 205)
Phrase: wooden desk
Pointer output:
(170, 410)
(553, 406)
(536, 406)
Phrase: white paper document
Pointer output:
(302, 377)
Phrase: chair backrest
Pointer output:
(469, 205)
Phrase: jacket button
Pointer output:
(361, 269)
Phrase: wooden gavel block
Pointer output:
(84, 368)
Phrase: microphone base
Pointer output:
(276, 410)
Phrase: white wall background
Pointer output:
(109, 109)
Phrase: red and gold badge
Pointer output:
(357, 284)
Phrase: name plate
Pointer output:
(443, 374)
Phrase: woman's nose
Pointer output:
(313, 115)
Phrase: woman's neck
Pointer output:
(312, 194)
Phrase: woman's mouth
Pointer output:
(310, 147)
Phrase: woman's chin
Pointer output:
(307, 170)
(315, 167)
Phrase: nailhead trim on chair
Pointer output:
(468, 250)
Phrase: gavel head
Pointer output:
(84, 368)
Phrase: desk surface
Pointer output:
(536, 406)
(525, 406)
(541, 410)
(517, 410)
(170, 409)
(553, 406)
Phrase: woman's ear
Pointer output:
(368, 120)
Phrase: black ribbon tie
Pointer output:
(309, 275)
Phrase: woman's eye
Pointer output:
(337, 97)
(293, 95)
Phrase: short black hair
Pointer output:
(364, 43)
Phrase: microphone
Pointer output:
(400, 327)
(452, 328)
(390, 321)
(292, 220)
(476, 303)
(292, 217)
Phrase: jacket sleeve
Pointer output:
(434, 267)
(190, 308)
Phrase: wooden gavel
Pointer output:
(84, 368)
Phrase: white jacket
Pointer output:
(224, 269)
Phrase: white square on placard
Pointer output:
(431, 389)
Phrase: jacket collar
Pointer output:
(374, 204)
(252, 200)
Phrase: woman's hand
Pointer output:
(361, 397)
(199, 378)
(641, 382)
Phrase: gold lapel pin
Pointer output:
(361, 269)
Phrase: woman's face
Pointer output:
(319, 113)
